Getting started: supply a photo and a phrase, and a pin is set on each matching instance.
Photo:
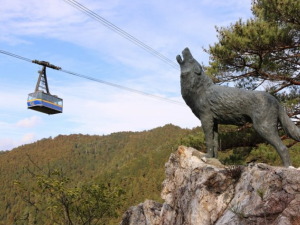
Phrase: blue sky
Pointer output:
(56, 32)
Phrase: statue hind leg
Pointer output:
(269, 132)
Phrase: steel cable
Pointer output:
(98, 80)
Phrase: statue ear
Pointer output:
(197, 69)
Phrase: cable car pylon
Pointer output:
(41, 100)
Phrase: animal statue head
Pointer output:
(188, 64)
(192, 74)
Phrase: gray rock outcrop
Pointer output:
(199, 191)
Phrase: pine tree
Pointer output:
(263, 51)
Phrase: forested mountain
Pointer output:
(36, 176)
(133, 161)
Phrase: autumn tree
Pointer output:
(52, 200)
(263, 51)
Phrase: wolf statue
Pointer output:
(214, 104)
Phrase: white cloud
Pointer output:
(29, 122)
(93, 110)
(32, 28)
(171, 26)
(28, 137)
(12, 142)
(7, 144)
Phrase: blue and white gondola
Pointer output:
(45, 103)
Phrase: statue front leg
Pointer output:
(215, 140)
(207, 125)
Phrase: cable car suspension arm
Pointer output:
(46, 64)
(42, 83)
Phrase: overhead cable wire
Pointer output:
(122, 87)
(121, 32)
(97, 80)
(16, 56)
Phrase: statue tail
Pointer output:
(289, 127)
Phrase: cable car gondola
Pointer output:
(41, 100)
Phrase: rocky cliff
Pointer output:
(199, 191)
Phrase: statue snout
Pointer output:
(179, 59)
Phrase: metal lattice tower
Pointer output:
(42, 83)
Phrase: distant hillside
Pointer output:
(133, 160)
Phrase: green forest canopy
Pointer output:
(129, 165)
